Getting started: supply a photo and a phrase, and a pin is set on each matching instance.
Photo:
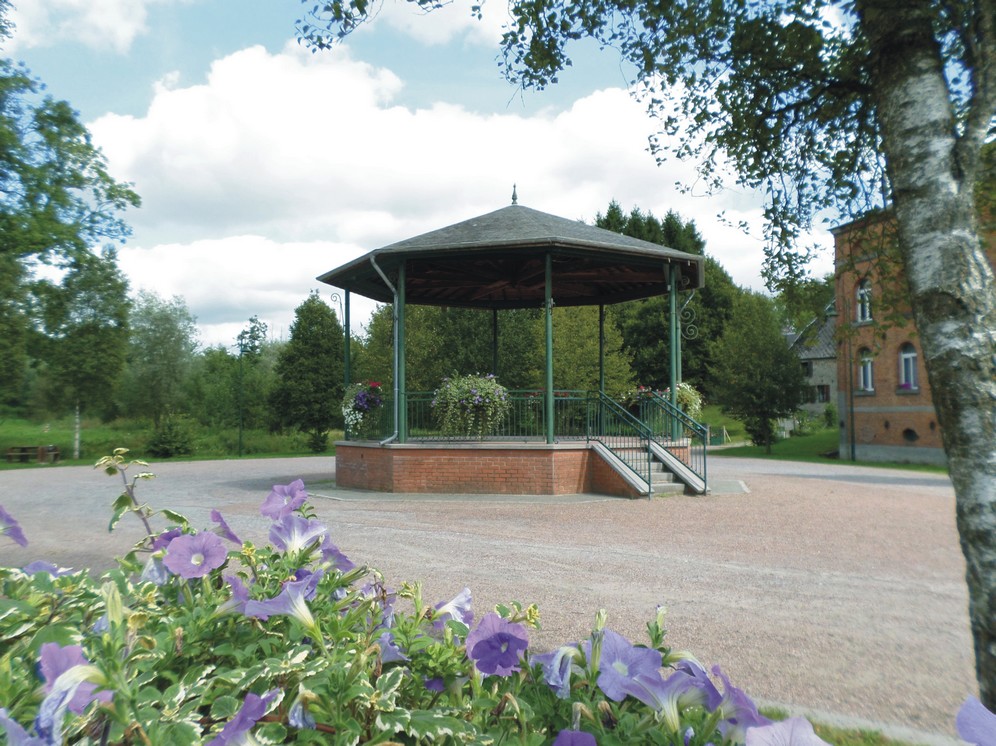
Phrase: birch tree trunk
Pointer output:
(76, 432)
(932, 166)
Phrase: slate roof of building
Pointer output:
(817, 340)
(497, 260)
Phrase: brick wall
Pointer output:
(892, 422)
(479, 469)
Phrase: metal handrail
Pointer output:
(677, 433)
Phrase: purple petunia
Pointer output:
(291, 601)
(335, 558)
(239, 599)
(795, 731)
(458, 609)
(621, 662)
(223, 530)
(38, 566)
(557, 668)
(236, 732)
(55, 660)
(292, 533)
(10, 527)
(389, 650)
(738, 710)
(16, 735)
(162, 540)
(976, 724)
(195, 555)
(497, 645)
(284, 499)
(574, 738)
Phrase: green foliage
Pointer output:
(160, 353)
(644, 323)
(575, 350)
(758, 378)
(84, 337)
(309, 371)
(470, 406)
(57, 201)
(440, 341)
(172, 437)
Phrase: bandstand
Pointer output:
(556, 442)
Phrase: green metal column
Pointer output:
(347, 338)
(673, 330)
(548, 314)
(601, 349)
(494, 342)
(677, 342)
(402, 422)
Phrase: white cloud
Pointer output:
(99, 24)
(283, 166)
(226, 281)
(453, 20)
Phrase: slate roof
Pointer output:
(816, 341)
(497, 260)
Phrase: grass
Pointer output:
(100, 439)
(712, 415)
(814, 448)
(840, 736)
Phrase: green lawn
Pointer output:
(100, 439)
(840, 736)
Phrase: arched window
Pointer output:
(907, 367)
(864, 296)
(866, 380)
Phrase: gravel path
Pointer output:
(832, 590)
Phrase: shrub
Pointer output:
(173, 437)
(470, 406)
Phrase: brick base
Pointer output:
(477, 468)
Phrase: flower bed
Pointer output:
(199, 637)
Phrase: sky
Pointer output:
(262, 165)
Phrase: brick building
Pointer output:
(883, 396)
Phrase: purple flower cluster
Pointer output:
(10, 527)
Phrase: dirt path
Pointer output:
(833, 590)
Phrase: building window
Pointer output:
(907, 367)
(807, 368)
(866, 379)
(823, 393)
(864, 307)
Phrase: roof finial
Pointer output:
(515, 197)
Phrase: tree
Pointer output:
(85, 322)
(57, 201)
(160, 353)
(644, 323)
(309, 387)
(826, 105)
(575, 351)
(758, 378)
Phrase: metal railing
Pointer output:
(622, 433)
(578, 415)
(675, 432)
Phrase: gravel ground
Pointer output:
(831, 590)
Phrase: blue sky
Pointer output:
(262, 165)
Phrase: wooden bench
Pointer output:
(25, 454)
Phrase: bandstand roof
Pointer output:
(497, 260)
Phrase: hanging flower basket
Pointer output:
(470, 406)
